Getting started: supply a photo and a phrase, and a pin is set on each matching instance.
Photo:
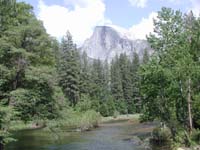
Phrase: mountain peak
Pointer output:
(106, 42)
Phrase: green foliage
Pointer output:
(121, 106)
(27, 68)
(170, 79)
(145, 58)
(196, 136)
(184, 138)
(111, 106)
(69, 69)
(116, 81)
(6, 116)
(126, 81)
(116, 114)
(84, 104)
(104, 110)
(85, 75)
(71, 119)
(95, 105)
(196, 110)
(161, 135)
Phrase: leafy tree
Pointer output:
(170, 78)
(6, 115)
(27, 66)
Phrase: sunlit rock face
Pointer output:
(106, 42)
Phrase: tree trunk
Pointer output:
(189, 105)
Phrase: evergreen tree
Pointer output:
(124, 64)
(116, 85)
(135, 82)
(145, 57)
(98, 80)
(70, 69)
(85, 75)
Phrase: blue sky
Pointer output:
(132, 17)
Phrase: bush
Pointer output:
(121, 107)
(95, 105)
(196, 136)
(110, 106)
(104, 110)
(89, 120)
(71, 119)
(183, 138)
(7, 114)
(116, 114)
(180, 137)
(161, 135)
(84, 104)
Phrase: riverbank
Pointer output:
(130, 117)
(115, 135)
(75, 121)
(192, 148)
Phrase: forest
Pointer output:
(47, 83)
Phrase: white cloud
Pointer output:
(83, 17)
(174, 1)
(139, 31)
(195, 7)
(80, 21)
(138, 3)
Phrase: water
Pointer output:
(110, 136)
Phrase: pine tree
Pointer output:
(85, 75)
(145, 57)
(124, 64)
(98, 80)
(135, 82)
(70, 69)
(116, 85)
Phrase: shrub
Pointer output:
(110, 106)
(121, 107)
(196, 136)
(161, 135)
(104, 110)
(116, 114)
(84, 104)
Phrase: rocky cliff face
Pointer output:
(106, 42)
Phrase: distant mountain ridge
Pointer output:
(106, 42)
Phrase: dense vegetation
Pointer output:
(46, 82)
(170, 80)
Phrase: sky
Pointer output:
(81, 16)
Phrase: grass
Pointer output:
(76, 121)
(21, 125)
(70, 120)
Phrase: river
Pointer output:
(119, 135)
